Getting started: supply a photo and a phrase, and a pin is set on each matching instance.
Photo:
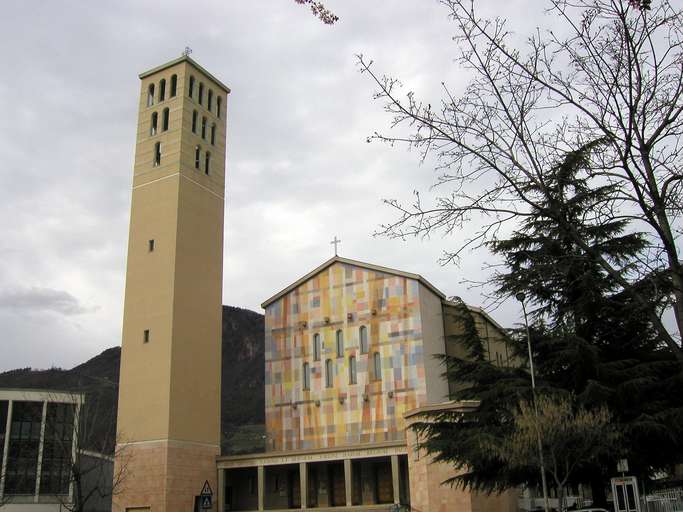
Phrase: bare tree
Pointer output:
(610, 71)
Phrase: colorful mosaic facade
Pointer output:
(337, 412)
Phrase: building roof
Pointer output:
(355, 263)
(184, 58)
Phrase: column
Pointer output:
(395, 480)
(347, 482)
(220, 492)
(261, 485)
(3, 462)
(39, 467)
(303, 484)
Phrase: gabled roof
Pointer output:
(184, 58)
(346, 261)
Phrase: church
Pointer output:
(350, 348)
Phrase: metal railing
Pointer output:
(669, 500)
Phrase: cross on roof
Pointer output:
(187, 51)
(335, 242)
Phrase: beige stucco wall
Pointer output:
(431, 315)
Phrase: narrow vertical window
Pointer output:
(363, 335)
(194, 121)
(150, 95)
(162, 89)
(340, 343)
(203, 127)
(209, 100)
(329, 375)
(174, 86)
(197, 156)
(150, 245)
(377, 366)
(219, 102)
(316, 347)
(164, 120)
(145, 336)
(207, 163)
(352, 370)
(191, 87)
(157, 154)
(153, 124)
(306, 376)
(213, 134)
(200, 94)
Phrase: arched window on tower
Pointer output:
(162, 89)
(213, 134)
(200, 94)
(353, 379)
(329, 373)
(203, 127)
(219, 102)
(157, 154)
(194, 121)
(197, 156)
(209, 100)
(191, 87)
(164, 120)
(150, 95)
(153, 124)
(207, 163)
(340, 343)
(363, 335)
(316, 347)
(174, 86)
(377, 366)
(306, 377)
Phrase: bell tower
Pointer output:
(168, 429)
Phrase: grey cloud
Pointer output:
(41, 300)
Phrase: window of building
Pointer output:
(197, 156)
(353, 379)
(162, 89)
(200, 94)
(157, 154)
(316, 346)
(363, 335)
(57, 442)
(174, 86)
(213, 134)
(4, 411)
(153, 124)
(209, 100)
(150, 95)
(191, 88)
(194, 121)
(306, 376)
(377, 366)
(145, 336)
(164, 120)
(150, 245)
(24, 443)
(203, 127)
(329, 375)
(340, 343)
(207, 163)
(219, 102)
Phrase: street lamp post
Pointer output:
(520, 297)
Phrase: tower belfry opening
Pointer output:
(168, 428)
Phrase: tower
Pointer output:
(168, 429)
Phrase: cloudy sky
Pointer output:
(299, 169)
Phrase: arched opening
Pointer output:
(153, 124)
(162, 89)
(164, 120)
(191, 87)
(329, 373)
(207, 163)
(340, 343)
(209, 100)
(377, 366)
(200, 94)
(150, 95)
(174, 86)
(353, 379)
(197, 156)
(203, 127)
(219, 102)
(316, 347)
(157, 154)
(363, 335)
(194, 121)
(213, 134)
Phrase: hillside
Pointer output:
(242, 394)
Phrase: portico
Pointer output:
(367, 477)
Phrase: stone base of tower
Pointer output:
(161, 476)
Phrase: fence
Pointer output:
(670, 500)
